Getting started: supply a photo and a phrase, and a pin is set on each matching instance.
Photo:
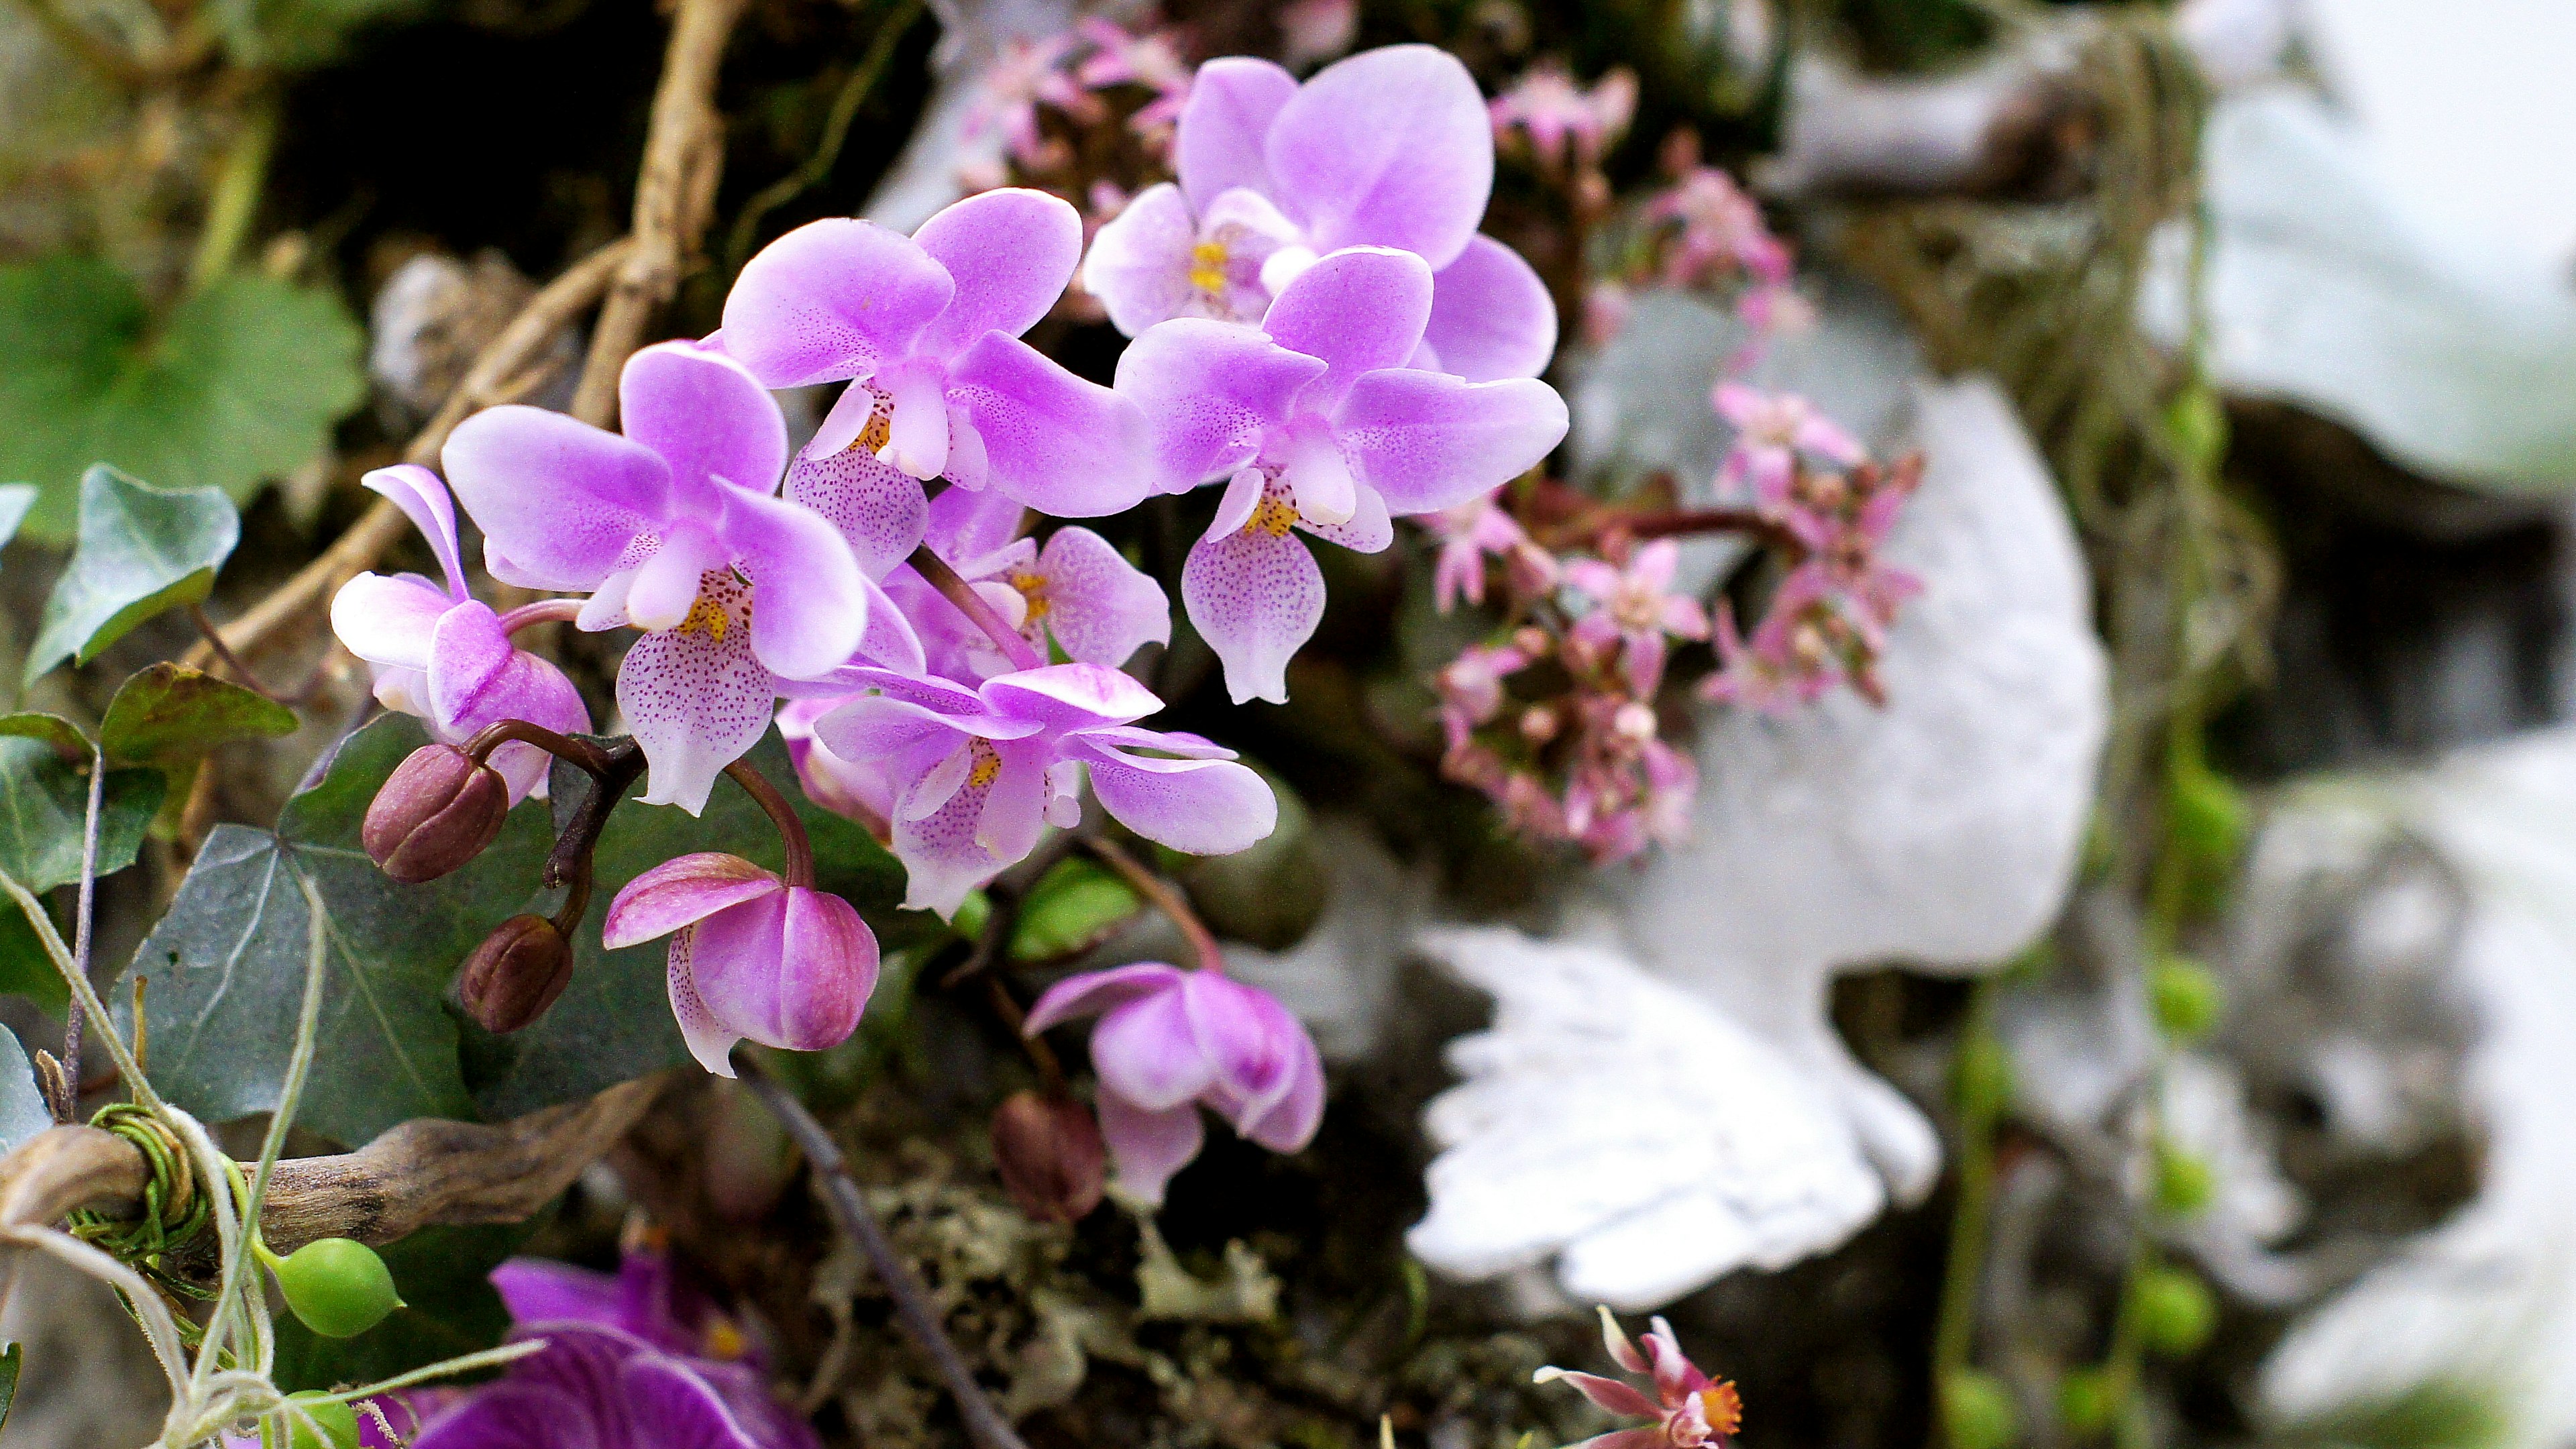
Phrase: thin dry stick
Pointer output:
(912, 1306)
(674, 198)
(68, 1109)
(1166, 898)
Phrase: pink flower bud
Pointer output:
(435, 812)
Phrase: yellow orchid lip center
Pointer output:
(1273, 515)
(1207, 266)
(988, 763)
(1032, 587)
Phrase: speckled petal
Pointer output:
(832, 299)
(1427, 441)
(696, 702)
(1209, 389)
(1255, 596)
(1139, 265)
(1100, 608)
(1050, 439)
(878, 507)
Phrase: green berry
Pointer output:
(1982, 1079)
(337, 1422)
(1976, 1412)
(2175, 1311)
(2197, 423)
(2205, 816)
(2085, 1402)
(2188, 998)
(2184, 1184)
(338, 1286)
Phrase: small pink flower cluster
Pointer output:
(1554, 115)
(1703, 232)
(1690, 1410)
(1065, 72)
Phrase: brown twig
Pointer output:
(1165, 897)
(214, 638)
(912, 1305)
(674, 198)
(1604, 523)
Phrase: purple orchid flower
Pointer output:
(979, 772)
(1319, 425)
(751, 955)
(631, 1362)
(926, 329)
(441, 654)
(672, 528)
(1077, 593)
(1171, 1041)
(1392, 147)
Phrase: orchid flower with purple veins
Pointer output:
(1390, 148)
(926, 331)
(672, 530)
(1170, 1042)
(1690, 1409)
(444, 656)
(1771, 431)
(1637, 608)
(751, 955)
(979, 772)
(1318, 424)
(629, 1362)
(1556, 115)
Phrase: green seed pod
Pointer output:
(2085, 1402)
(338, 1424)
(2184, 1183)
(1981, 1082)
(2205, 817)
(2188, 998)
(338, 1287)
(1977, 1412)
(2175, 1311)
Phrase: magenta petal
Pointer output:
(514, 1414)
(1100, 608)
(1392, 148)
(966, 525)
(1011, 251)
(541, 1290)
(1225, 126)
(1149, 1147)
(1491, 316)
(1146, 1052)
(683, 1410)
(1204, 807)
(1070, 696)
(423, 499)
(1249, 1039)
(1140, 260)
(1209, 389)
(557, 499)
(1359, 309)
(696, 703)
(679, 891)
(878, 507)
(832, 299)
(1255, 596)
(707, 416)
(1094, 992)
(791, 969)
(1290, 1122)
(1051, 440)
(388, 622)
(809, 609)
(1610, 1394)
(1427, 441)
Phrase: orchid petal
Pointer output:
(696, 700)
(1491, 316)
(423, 499)
(1203, 807)
(1428, 441)
(558, 500)
(1209, 389)
(878, 508)
(1071, 696)
(970, 838)
(1100, 608)
(1094, 992)
(1360, 309)
(1289, 1123)
(679, 892)
(789, 969)
(1248, 1038)
(707, 416)
(1010, 251)
(1367, 530)
(832, 299)
(1608, 1393)
(663, 591)
(1051, 440)
(388, 621)
(1255, 596)
(1140, 260)
(541, 1290)
(684, 1410)
(966, 526)
(1391, 147)
(890, 640)
(1225, 126)
(1149, 1147)
(1146, 1052)
(809, 606)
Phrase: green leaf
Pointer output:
(168, 714)
(44, 811)
(1070, 909)
(25, 966)
(239, 384)
(64, 736)
(15, 500)
(449, 1309)
(227, 963)
(613, 1023)
(23, 1114)
(142, 550)
(10, 1363)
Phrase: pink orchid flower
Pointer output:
(1637, 608)
(1772, 429)
(1690, 1409)
(1556, 114)
(1469, 532)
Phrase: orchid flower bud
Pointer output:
(435, 812)
(515, 974)
(1050, 1155)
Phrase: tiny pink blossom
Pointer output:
(1029, 74)
(1772, 429)
(1637, 608)
(1468, 532)
(1471, 688)
(1556, 114)
(1151, 60)
(1721, 232)
(1316, 30)
(1690, 1409)
(1606, 309)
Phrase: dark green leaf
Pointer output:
(240, 383)
(168, 714)
(142, 550)
(450, 1309)
(23, 1114)
(44, 810)
(613, 1023)
(1070, 909)
(53, 729)
(227, 963)
(10, 1363)
(15, 500)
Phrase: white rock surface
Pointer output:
(972, 35)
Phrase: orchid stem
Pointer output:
(1166, 898)
(569, 864)
(912, 1305)
(581, 753)
(543, 611)
(791, 831)
(223, 652)
(67, 1109)
(940, 576)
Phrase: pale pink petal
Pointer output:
(1367, 530)
(1359, 309)
(1251, 1042)
(1146, 1053)
(1070, 696)
(1491, 316)
(1010, 251)
(1094, 992)
(1051, 440)
(696, 702)
(1100, 608)
(809, 610)
(1429, 441)
(1208, 389)
(1140, 261)
(1203, 807)
(1149, 1147)
(1255, 595)
(965, 525)
(707, 416)
(558, 500)
(1391, 147)
(832, 299)
(878, 508)
(1225, 126)
(388, 621)
(423, 499)
(680, 891)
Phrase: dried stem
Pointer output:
(674, 198)
(1669, 523)
(791, 831)
(1166, 898)
(936, 572)
(912, 1306)
(214, 640)
(68, 1108)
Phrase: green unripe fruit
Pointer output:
(2175, 1311)
(2085, 1402)
(2187, 996)
(1976, 1412)
(1982, 1079)
(338, 1424)
(2205, 816)
(338, 1287)
(2184, 1183)
(2197, 422)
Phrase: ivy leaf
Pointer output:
(613, 1023)
(15, 500)
(23, 1114)
(142, 550)
(239, 384)
(449, 1308)
(1070, 909)
(44, 812)
(56, 731)
(228, 961)
(169, 714)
